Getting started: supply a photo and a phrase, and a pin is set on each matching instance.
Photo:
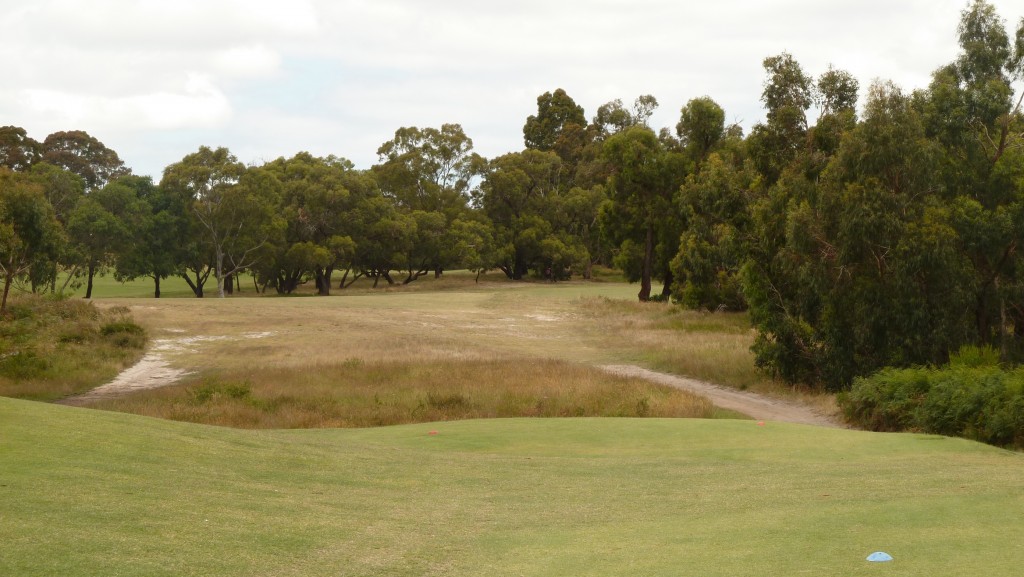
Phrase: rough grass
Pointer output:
(459, 323)
(51, 348)
(94, 493)
(713, 347)
(359, 394)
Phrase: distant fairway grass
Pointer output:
(85, 493)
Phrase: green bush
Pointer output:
(23, 365)
(971, 397)
(125, 334)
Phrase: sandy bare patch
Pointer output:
(154, 370)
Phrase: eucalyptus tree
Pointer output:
(613, 117)
(84, 155)
(429, 169)
(716, 203)
(559, 126)
(973, 109)
(18, 151)
(234, 210)
(157, 230)
(640, 218)
(64, 190)
(428, 174)
(318, 196)
(522, 196)
(29, 231)
(700, 128)
(788, 94)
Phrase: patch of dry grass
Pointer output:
(582, 323)
(713, 347)
(355, 393)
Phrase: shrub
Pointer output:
(125, 334)
(971, 397)
(23, 365)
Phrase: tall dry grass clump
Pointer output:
(356, 393)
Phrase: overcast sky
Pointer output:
(156, 79)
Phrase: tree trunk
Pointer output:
(219, 272)
(7, 290)
(645, 271)
(88, 285)
(229, 284)
(323, 280)
(519, 268)
(156, 290)
(197, 287)
(666, 289)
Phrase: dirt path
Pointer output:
(152, 372)
(751, 404)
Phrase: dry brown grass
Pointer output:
(459, 330)
(713, 347)
(360, 394)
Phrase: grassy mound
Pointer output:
(95, 493)
(51, 348)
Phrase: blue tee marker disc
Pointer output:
(879, 557)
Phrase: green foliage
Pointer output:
(22, 364)
(639, 218)
(30, 235)
(558, 126)
(970, 397)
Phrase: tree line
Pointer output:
(858, 234)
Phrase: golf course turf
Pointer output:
(85, 492)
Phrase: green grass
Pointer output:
(91, 493)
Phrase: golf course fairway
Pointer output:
(86, 493)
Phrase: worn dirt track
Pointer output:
(750, 404)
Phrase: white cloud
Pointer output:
(265, 75)
(254, 61)
(199, 104)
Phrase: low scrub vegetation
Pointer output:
(357, 393)
(51, 348)
(971, 397)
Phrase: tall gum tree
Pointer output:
(972, 108)
(29, 232)
(233, 207)
(643, 183)
(84, 155)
